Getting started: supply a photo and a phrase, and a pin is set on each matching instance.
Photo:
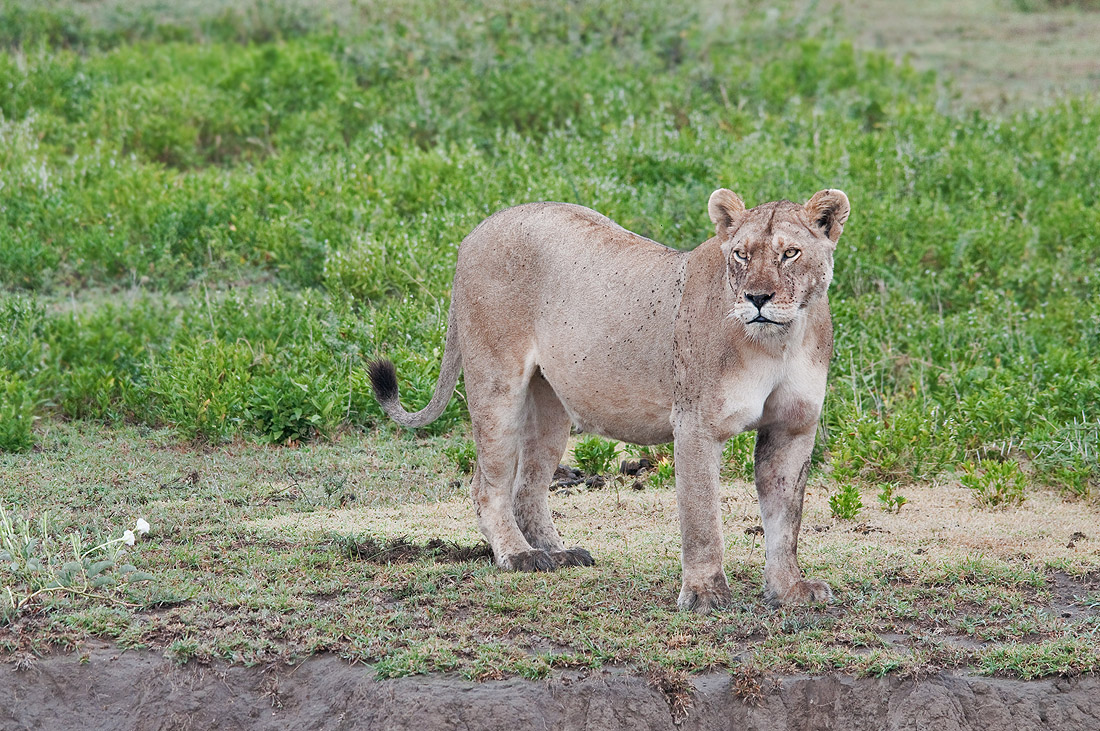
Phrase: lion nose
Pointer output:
(759, 299)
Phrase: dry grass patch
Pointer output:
(940, 522)
(262, 555)
(941, 584)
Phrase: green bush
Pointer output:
(995, 484)
(890, 499)
(846, 502)
(16, 413)
(463, 454)
(596, 456)
(738, 456)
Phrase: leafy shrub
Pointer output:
(16, 413)
(1069, 455)
(846, 502)
(1076, 480)
(995, 484)
(287, 407)
(595, 455)
(201, 390)
(738, 456)
(664, 474)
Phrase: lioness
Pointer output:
(559, 316)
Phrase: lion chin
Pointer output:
(560, 316)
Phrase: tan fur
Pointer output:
(559, 316)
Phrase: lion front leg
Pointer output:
(782, 464)
(698, 458)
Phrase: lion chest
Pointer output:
(740, 401)
(759, 393)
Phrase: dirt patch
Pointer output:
(1000, 53)
(105, 688)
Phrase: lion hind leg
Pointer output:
(499, 411)
(545, 436)
(495, 518)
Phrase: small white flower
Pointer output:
(128, 537)
(142, 527)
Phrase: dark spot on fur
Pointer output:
(383, 380)
(803, 474)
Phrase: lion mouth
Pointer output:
(764, 320)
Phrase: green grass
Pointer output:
(275, 211)
(210, 218)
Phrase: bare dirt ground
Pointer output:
(107, 689)
(998, 54)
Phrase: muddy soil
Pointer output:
(105, 688)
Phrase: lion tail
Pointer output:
(383, 380)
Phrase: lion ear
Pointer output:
(828, 211)
(724, 208)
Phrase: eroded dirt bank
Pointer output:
(142, 690)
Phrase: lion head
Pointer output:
(779, 256)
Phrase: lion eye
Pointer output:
(740, 255)
(791, 254)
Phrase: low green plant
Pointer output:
(596, 456)
(738, 455)
(664, 474)
(16, 413)
(661, 472)
(995, 484)
(890, 499)
(1067, 456)
(656, 453)
(1075, 481)
(1045, 6)
(463, 454)
(293, 407)
(846, 502)
(35, 561)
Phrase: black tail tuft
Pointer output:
(383, 379)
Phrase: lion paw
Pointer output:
(531, 561)
(706, 597)
(807, 591)
(574, 556)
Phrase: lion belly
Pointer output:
(614, 376)
(635, 411)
